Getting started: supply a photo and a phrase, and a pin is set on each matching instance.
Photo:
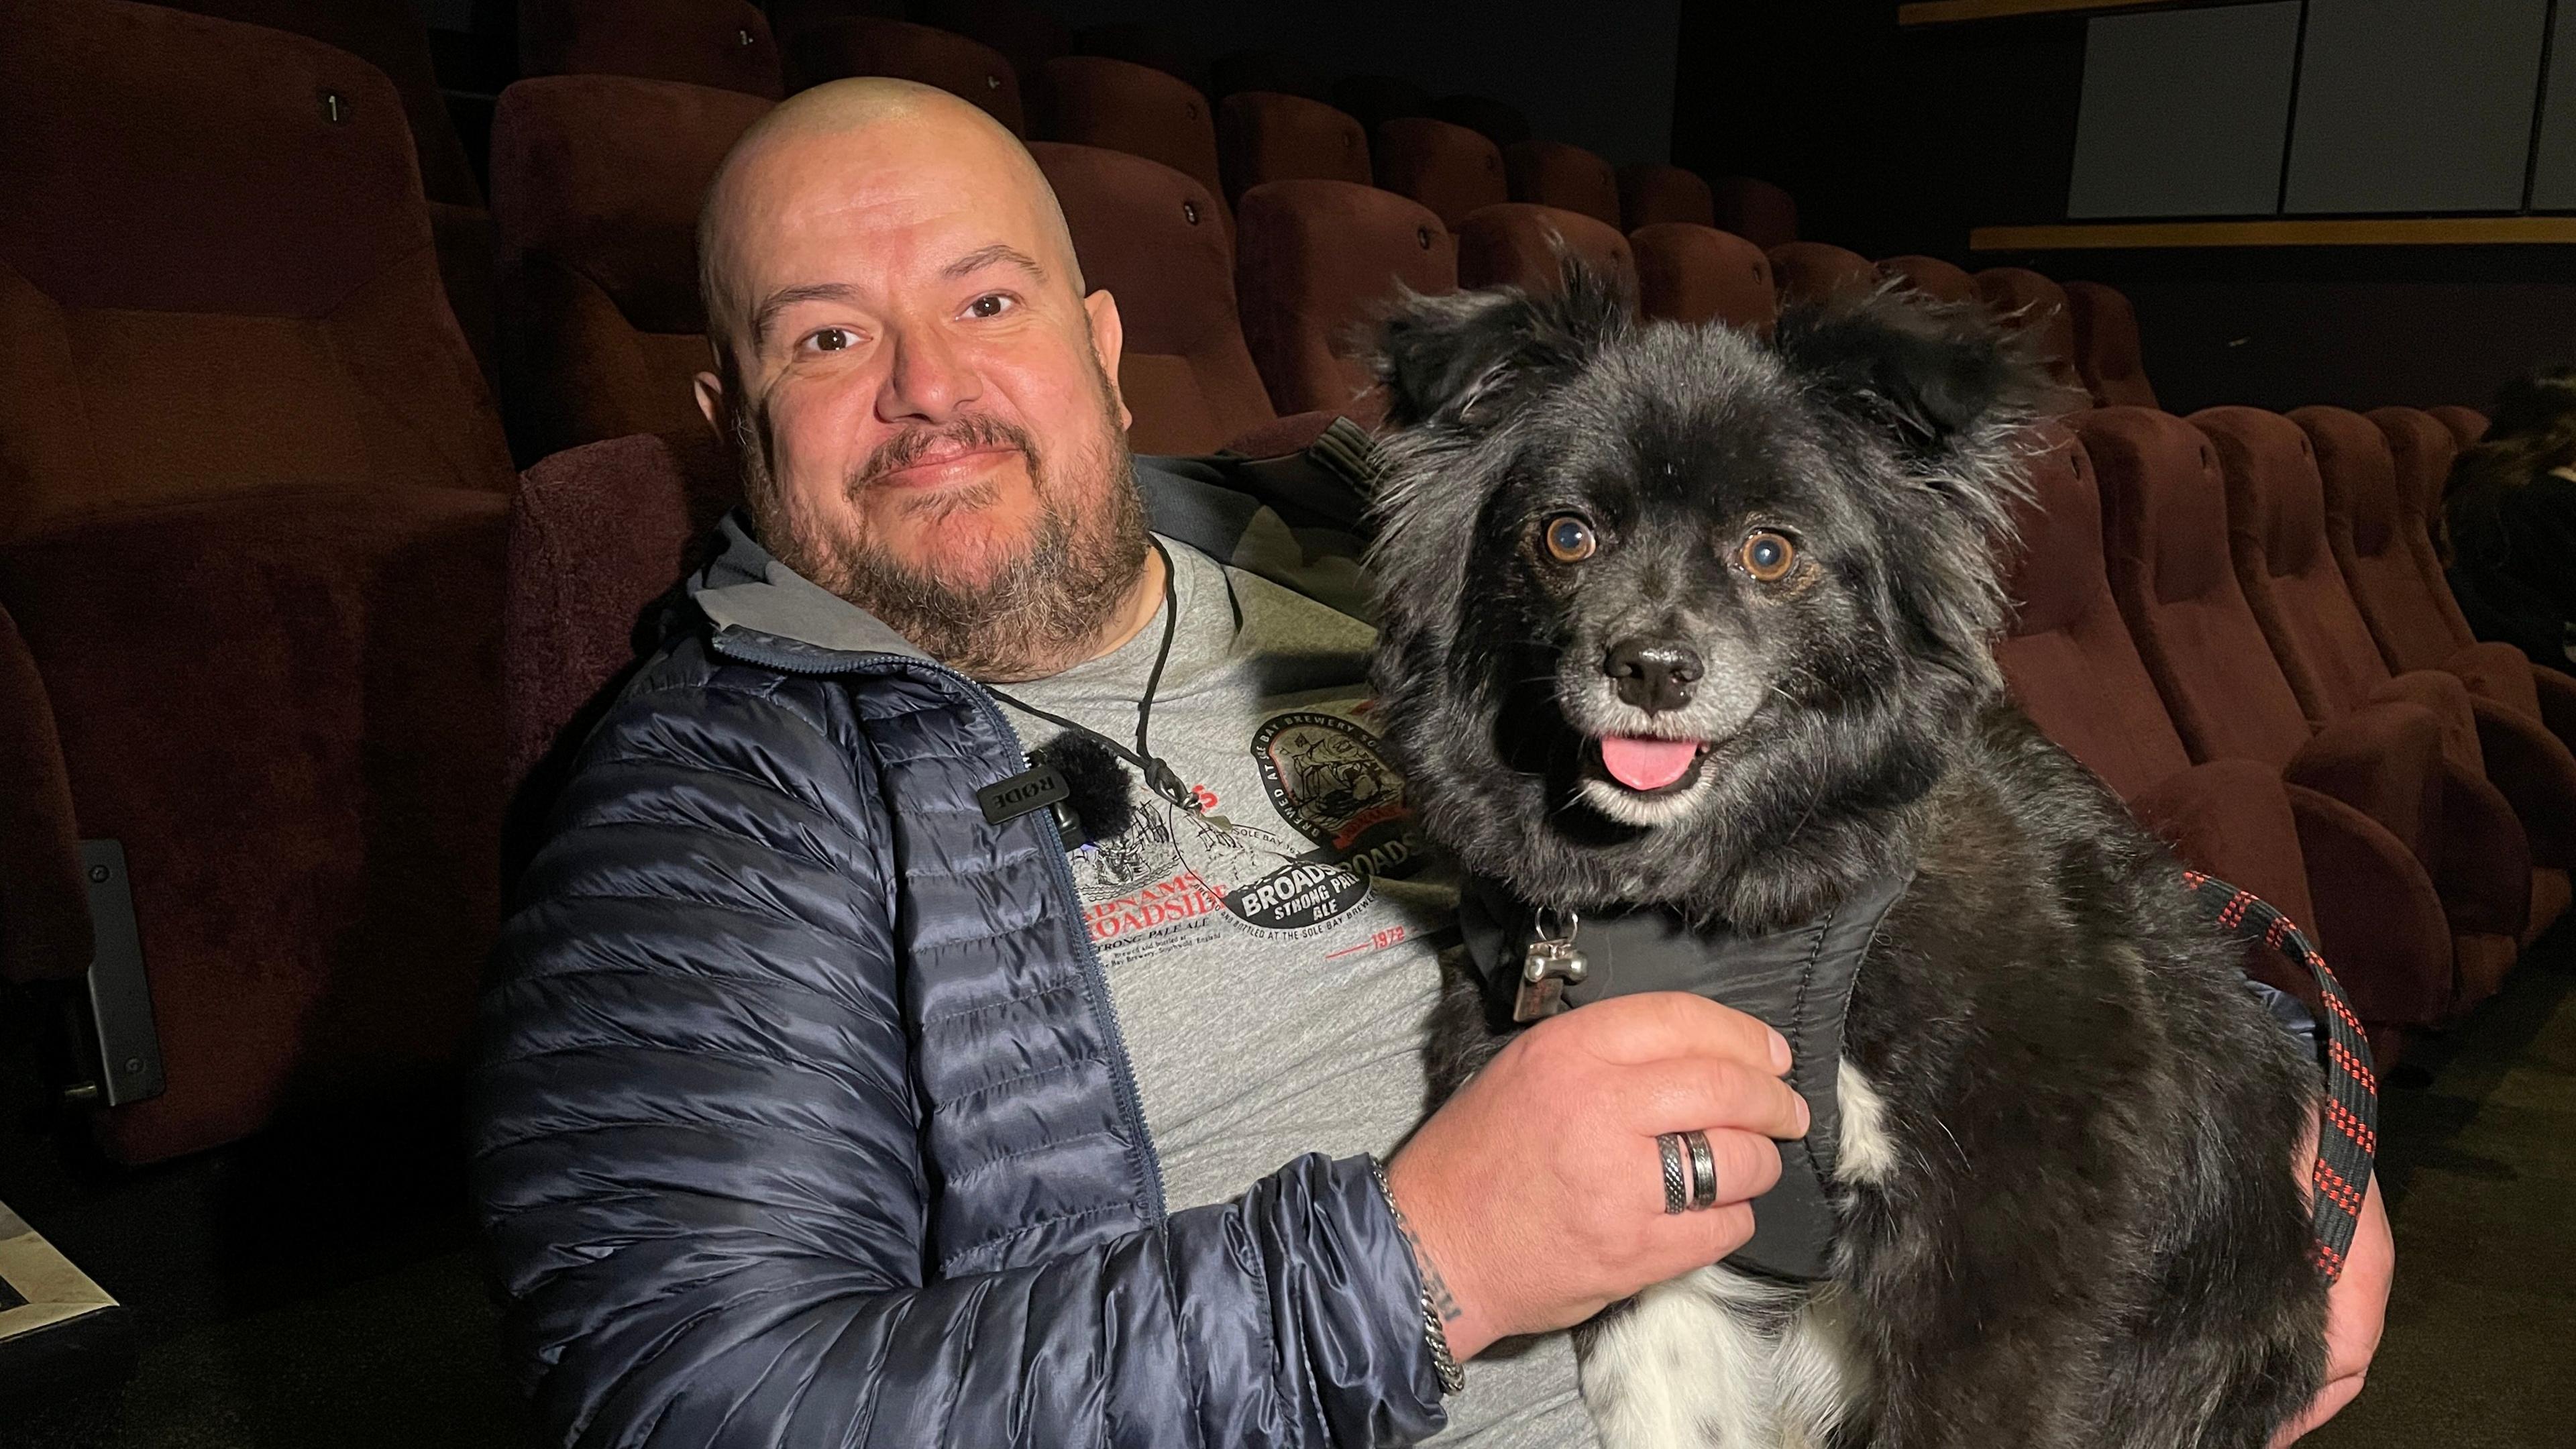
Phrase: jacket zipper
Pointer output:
(1095, 977)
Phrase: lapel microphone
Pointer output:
(1080, 778)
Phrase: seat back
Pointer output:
(1445, 166)
(1139, 42)
(1516, 244)
(2276, 537)
(1157, 241)
(1119, 105)
(2367, 523)
(596, 185)
(721, 43)
(216, 274)
(1027, 35)
(2468, 426)
(1569, 178)
(1930, 276)
(870, 45)
(1755, 210)
(1819, 271)
(1653, 195)
(2032, 304)
(1692, 273)
(1503, 124)
(1319, 262)
(2105, 339)
(1373, 100)
(2164, 547)
(1265, 136)
(2425, 449)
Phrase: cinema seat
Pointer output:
(721, 43)
(1691, 273)
(1755, 210)
(2468, 426)
(1119, 105)
(1517, 244)
(1819, 271)
(596, 185)
(1652, 195)
(1373, 100)
(867, 45)
(1499, 122)
(1154, 238)
(2104, 335)
(1319, 262)
(2165, 545)
(1447, 167)
(1026, 35)
(2031, 303)
(46, 934)
(1266, 70)
(251, 549)
(2286, 571)
(1930, 276)
(1569, 178)
(1265, 136)
(1137, 42)
(2071, 666)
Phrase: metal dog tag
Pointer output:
(1547, 967)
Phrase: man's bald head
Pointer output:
(811, 140)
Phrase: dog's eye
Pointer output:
(1767, 556)
(1569, 538)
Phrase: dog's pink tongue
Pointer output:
(1642, 764)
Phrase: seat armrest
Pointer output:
(2498, 672)
(2448, 700)
(2378, 917)
(2537, 774)
(2483, 869)
(2384, 760)
(2232, 818)
(2557, 693)
(44, 902)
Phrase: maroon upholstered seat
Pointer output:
(2106, 348)
(1569, 178)
(1267, 136)
(1447, 167)
(1497, 121)
(869, 45)
(2165, 537)
(1930, 276)
(596, 185)
(1755, 210)
(2070, 664)
(1692, 273)
(1516, 244)
(721, 43)
(1139, 42)
(2288, 574)
(1119, 105)
(1373, 100)
(1652, 195)
(45, 929)
(2034, 304)
(1319, 261)
(1027, 35)
(1818, 271)
(2468, 426)
(1154, 238)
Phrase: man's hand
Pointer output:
(2355, 1311)
(1536, 1193)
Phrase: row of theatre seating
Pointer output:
(278, 613)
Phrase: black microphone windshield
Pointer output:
(1099, 791)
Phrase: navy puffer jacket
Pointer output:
(802, 1117)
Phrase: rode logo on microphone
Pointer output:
(1014, 796)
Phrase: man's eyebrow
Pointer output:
(786, 297)
(982, 257)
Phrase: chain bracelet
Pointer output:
(1453, 1379)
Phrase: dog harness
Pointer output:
(1534, 963)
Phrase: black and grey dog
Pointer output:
(1678, 617)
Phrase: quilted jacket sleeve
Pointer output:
(697, 1162)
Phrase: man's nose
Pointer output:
(931, 378)
(1652, 676)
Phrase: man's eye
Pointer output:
(991, 304)
(831, 339)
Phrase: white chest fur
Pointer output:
(1721, 1360)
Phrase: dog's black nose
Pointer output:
(1652, 676)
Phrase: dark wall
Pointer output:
(1903, 140)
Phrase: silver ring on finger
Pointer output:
(1703, 1164)
(1676, 1185)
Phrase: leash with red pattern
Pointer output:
(2348, 1137)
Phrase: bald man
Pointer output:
(853, 1078)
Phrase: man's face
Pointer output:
(922, 396)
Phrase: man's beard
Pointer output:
(1036, 612)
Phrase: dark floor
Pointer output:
(321, 1291)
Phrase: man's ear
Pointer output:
(1460, 358)
(1938, 376)
(1109, 344)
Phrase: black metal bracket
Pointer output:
(120, 998)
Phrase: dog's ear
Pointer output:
(1941, 377)
(1460, 358)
